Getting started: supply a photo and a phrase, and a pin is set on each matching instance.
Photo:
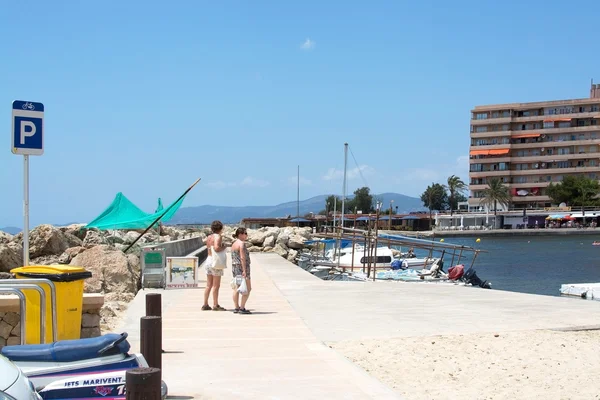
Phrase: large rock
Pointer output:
(46, 240)
(257, 238)
(5, 237)
(11, 256)
(76, 230)
(292, 255)
(281, 250)
(93, 238)
(112, 270)
(269, 241)
(283, 239)
(296, 242)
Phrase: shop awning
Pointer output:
(557, 119)
(479, 152)
(526, 135)
(498, 152)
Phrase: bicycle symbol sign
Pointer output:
(28, 128)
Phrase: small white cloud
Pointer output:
(220, 184)
(308, 44)
(250, 181)
(333, 173)
(293, 180)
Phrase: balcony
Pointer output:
(489, 160)
(553, 171)
(554, 157)
(529, 185)
(491, 121)
(544, 131)
(530, 199)
(554, 144)
(484, 174)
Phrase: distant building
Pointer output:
(530, 145)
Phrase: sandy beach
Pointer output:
(539, 364)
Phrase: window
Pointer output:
(495, 114)
(580, 163)
(593, 149)
(593, 135)
(594, 122)
(550, 152)
(476, 167)
(562, 164)
(481, 116)
(593, 163)
(581, 149)
(548, 178)
(563, 151)
(595, 108)
(502, 166)
(581, 123)
(505, 140)
(564, 124)
(505, 114)
(521, 179)
(481, 129)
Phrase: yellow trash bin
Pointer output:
(69, 300)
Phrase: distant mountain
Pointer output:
(207, 213)
(11, 230)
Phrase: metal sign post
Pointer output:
(27, 140)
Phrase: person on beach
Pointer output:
(213, 275)
(240, 262)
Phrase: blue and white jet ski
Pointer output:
(69, 365)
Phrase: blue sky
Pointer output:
(145, 97)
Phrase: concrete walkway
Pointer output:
(279, 352)
(271, 354)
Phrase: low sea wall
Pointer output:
(10, 318)
(180, 248)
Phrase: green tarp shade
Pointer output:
(159, 208)
(123, 214)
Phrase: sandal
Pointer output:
(218, 308)
(206, 308)
(236, 310)
(244, 311)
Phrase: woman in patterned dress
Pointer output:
(240, 262)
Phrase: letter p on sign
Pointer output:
(27, 130)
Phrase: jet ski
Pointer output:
(101, 360)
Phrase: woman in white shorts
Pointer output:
(213, 276)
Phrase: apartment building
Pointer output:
(530, 145)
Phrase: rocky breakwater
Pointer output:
(286, 242)
(115, 274)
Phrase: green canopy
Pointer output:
(123, 214)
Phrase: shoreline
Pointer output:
(499, 233)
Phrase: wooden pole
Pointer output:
(151, 340)
(143, 384)
(153, 305)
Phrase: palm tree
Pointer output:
(455, 185)
(495, 193)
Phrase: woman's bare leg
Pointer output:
(209, 285)
(245, 296)
(216, 287)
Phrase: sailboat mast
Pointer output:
(298, 198)
(344, 184)
(343, 203)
